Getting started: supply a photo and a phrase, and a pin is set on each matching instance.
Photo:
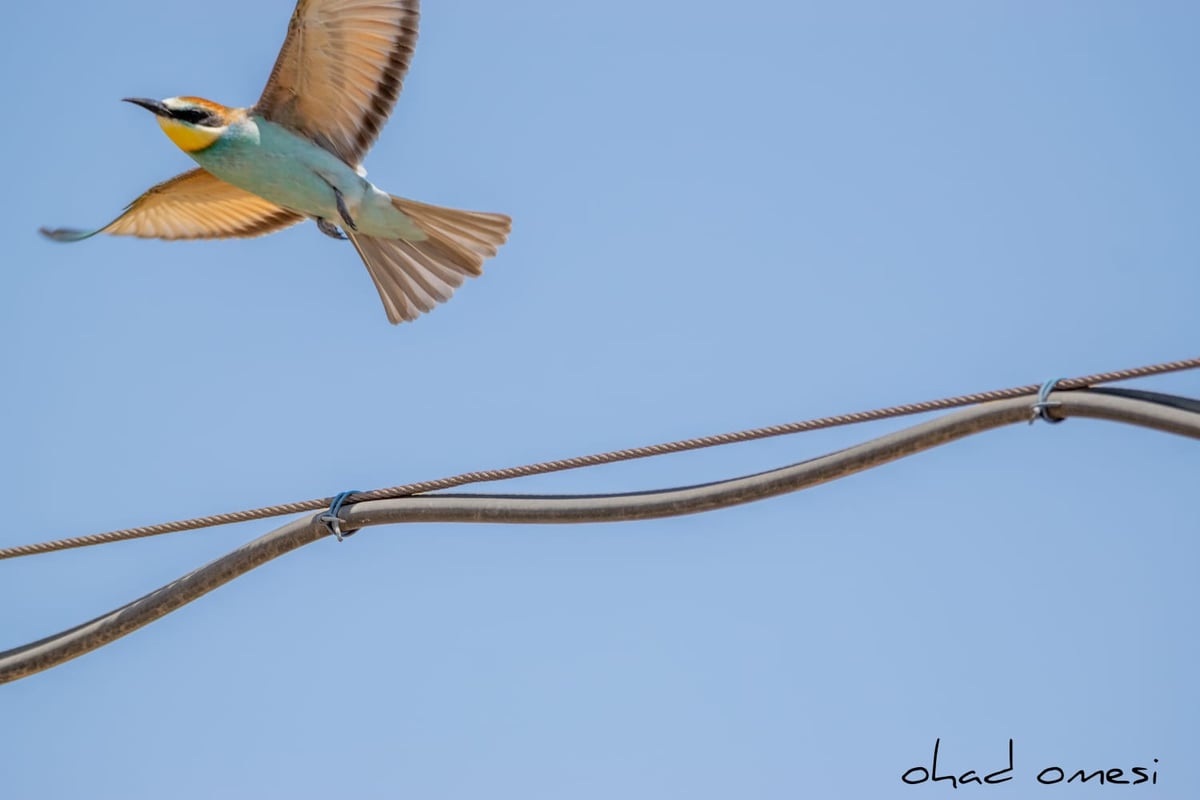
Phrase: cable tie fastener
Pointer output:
(331, 519)
(1044, 404)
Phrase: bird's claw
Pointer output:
(345, 212)
(329, 229)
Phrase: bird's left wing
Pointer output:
(340, 71)
(194, 205)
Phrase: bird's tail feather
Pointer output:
(414, 276)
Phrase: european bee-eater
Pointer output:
(298, 153)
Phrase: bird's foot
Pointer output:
(329, 229)
(345, 212)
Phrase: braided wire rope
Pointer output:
(594, 460)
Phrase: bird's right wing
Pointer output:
(194, 205)
(340, 71)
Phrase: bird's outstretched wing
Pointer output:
(340, 71)
(194, 205)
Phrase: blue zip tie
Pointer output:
(331, 519)
(1043, 404)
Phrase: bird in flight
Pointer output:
(297, 153)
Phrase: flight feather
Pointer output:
(341, 70)
(194, 205)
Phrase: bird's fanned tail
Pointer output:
(412, 277)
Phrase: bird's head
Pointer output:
(191, 122)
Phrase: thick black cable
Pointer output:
(1159, 412)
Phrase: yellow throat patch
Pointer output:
(189, 138)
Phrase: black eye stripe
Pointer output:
(196, 116)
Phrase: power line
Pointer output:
(1156, 411)
(545, 467)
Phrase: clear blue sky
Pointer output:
(725, 216)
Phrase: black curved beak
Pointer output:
(153, 106)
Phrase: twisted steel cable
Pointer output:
(597, 459)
